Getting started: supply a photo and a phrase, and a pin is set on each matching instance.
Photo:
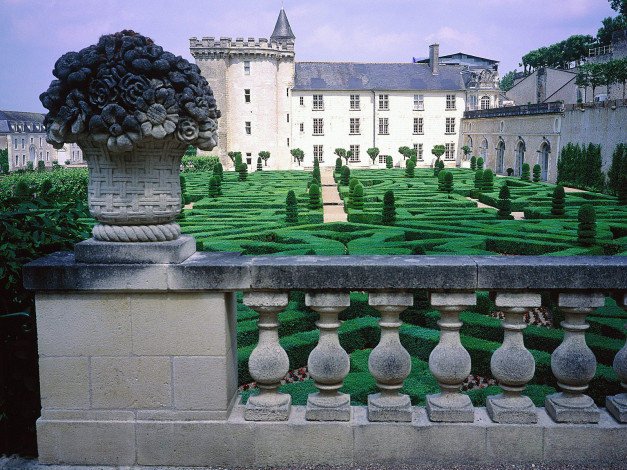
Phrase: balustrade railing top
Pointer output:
(523, 110)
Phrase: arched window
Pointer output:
(500, 156)
(520, 157)
(485, 102)
(544, 157)
(484, 152)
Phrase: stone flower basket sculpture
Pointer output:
(133, 109)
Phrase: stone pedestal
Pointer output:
(166, 252)
(617, 405)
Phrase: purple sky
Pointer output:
(35, 33)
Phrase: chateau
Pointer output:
(271, 102)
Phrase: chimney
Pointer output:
(434, 58)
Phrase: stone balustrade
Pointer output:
(138, 363)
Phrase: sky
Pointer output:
(35, 33)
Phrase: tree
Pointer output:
(243, 172)
(298, 154)
(357, 202)
(478, 180)
(537, 173)
(618, 168)
(504, 203)
(473, 163)
(259, 164)
(525, 172)
(558, 201)
(507, 82)
(409, 169)
(233, 157)
(348, 156)
(291, 208)
(487, 182)
(586, 232)
(190, 151)
(619, 6)
(351, 189)
(345, 174)
(316, 174)
(4, 161)
(438, 150)
(466, 151)
(622, 191)
(404, 151)
(314, 197)
(604, 34)
(340, 152)
(264, 156)
(480, 163)
(389, 163)
(388, 214)
(373, 153)
(238, 161)
(212, 187)
(448, 182)
(218, 175)
(338, 164)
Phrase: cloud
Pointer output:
(454, 40)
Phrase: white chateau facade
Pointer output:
(271, 102)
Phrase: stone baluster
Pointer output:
(268, 363)
(449, 361)
(389, 363)
(328, 363)
(512, 364)
(573, 363)
(617, 405)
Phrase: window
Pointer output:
(301, 101)
(450, 101)
(418, 126)
(318, 126)
(247, 95)
(450, 125)
(249, 158)
(317, 153)
(15, 142)
(419, 102)
(449, 153)
(302, 127)
(383, 126)
(288, 141)
(32, 140)
(287, 92)
(17, 160)
(47, 156)
(354, 126)
(354, 103)
(23, 144)
(288, 117)
(419, 151)
(247, 127)
(40, 141)
(318, 102)
(355, 150)
(246, 67)
(472, 103)
(384, 102)
(382, 158)
(485, 102)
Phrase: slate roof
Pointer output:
(18, 117)
(282, 29)
(369, 76)
(454, 56)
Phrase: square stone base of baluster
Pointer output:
(566, 408)
(170, 252)
(511, 410)
(397, 408)
(617, 405)
(277, 409)
(450, 408)
(325, 408)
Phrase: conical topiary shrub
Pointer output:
(558, 202)
(291, 208)
(487, 181)
(351, 187)
(238, 160)
(448, 182)
(338, 165)
(259, 164)
(243, 172)
(184, 196)
(525, 172)
(212, 187)
(388, 215)
(480, 163)
(314, 197)
(345, 174)
(357, 201)
(389, 162)
(316, 173)
(473, 163)
(504, 203)
(586, 233)
(441, 176)
(537, 173)
(478, 180)
(409, 168)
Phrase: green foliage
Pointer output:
(190, 151)
(315, 202)
(510, 172)
(243, 172)
(259, 164)
(480, 163)
(298, 154)
(618, 169)
(238, 162)
(264, 155)
(41, 165)
(409, 169)
(478, 180)
(438, 150)
(466, 150)
(586, 231)
(316, 173)
(622, 191)
(525, 174)
(30, 167)
(441, 176)
(389, 162)
(4, 161)
(351, 188)
(507, 82)
(437, 167)
(341, 153)
(558, 201)
(338, 164)
(197, 164)
(558, 55)
(487, 181)
(448, 182)
(357, 201)
(212, 187)
(580, 167)
(388, 215)
(537, 173)
(67, 184)
(609, 25)
(504, 203)
(473, 163)
(291, 208)
(373, 153)
(404, 151)
(233, 157)
(345, 174)
(218, 173)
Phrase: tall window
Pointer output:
(246, 95)
(485, 102)
(23, 144)
(450, 125)
(301, 101)
(419, 102)
(355, 150)
(419, 151)
(318, 126)
(288, 117)
(47, 156)
(318, 103)
(354, 106)
(40, 141)
(317, 153)
(302, 127)
(450, 101)
(449, 153)
(15, 142)
(247, 127)
(354, 126)
(384, 102)
(472, 103)
(249, 158)
(383, 126)
(246, 67)
(418, 126)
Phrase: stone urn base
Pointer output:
(136, 195)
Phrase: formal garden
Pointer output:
(407, 211)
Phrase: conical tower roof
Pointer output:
(282, 30)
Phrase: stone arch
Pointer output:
(483, 152)
(500, 156)
(519, 152)
(544, 158)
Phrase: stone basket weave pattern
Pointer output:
(137, 187)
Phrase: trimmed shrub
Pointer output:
(357, 201)
(243, 172)
(504, 203)
(618, 169)
(622, 191)
(389, 162)
(388, 215)
(338, 165)
(316, 173)
(448, 182)
(345, 174)
(198, 164)
(586, 232)
(525, 172)
(351, 188)
(314, 197)
(558, 201)
(238, 160)
(291, 208)
(409, 168)
(478, 180)
(184, 197)
(441, 176)
(480, 163)
(487, 181)
(259, 164)
(510, 172)
(537, 173)
(473, 163)
(213, 187)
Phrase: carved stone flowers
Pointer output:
(124, 89)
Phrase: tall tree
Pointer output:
(507, 82)
(620, 6)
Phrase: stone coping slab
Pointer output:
(229, 271)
